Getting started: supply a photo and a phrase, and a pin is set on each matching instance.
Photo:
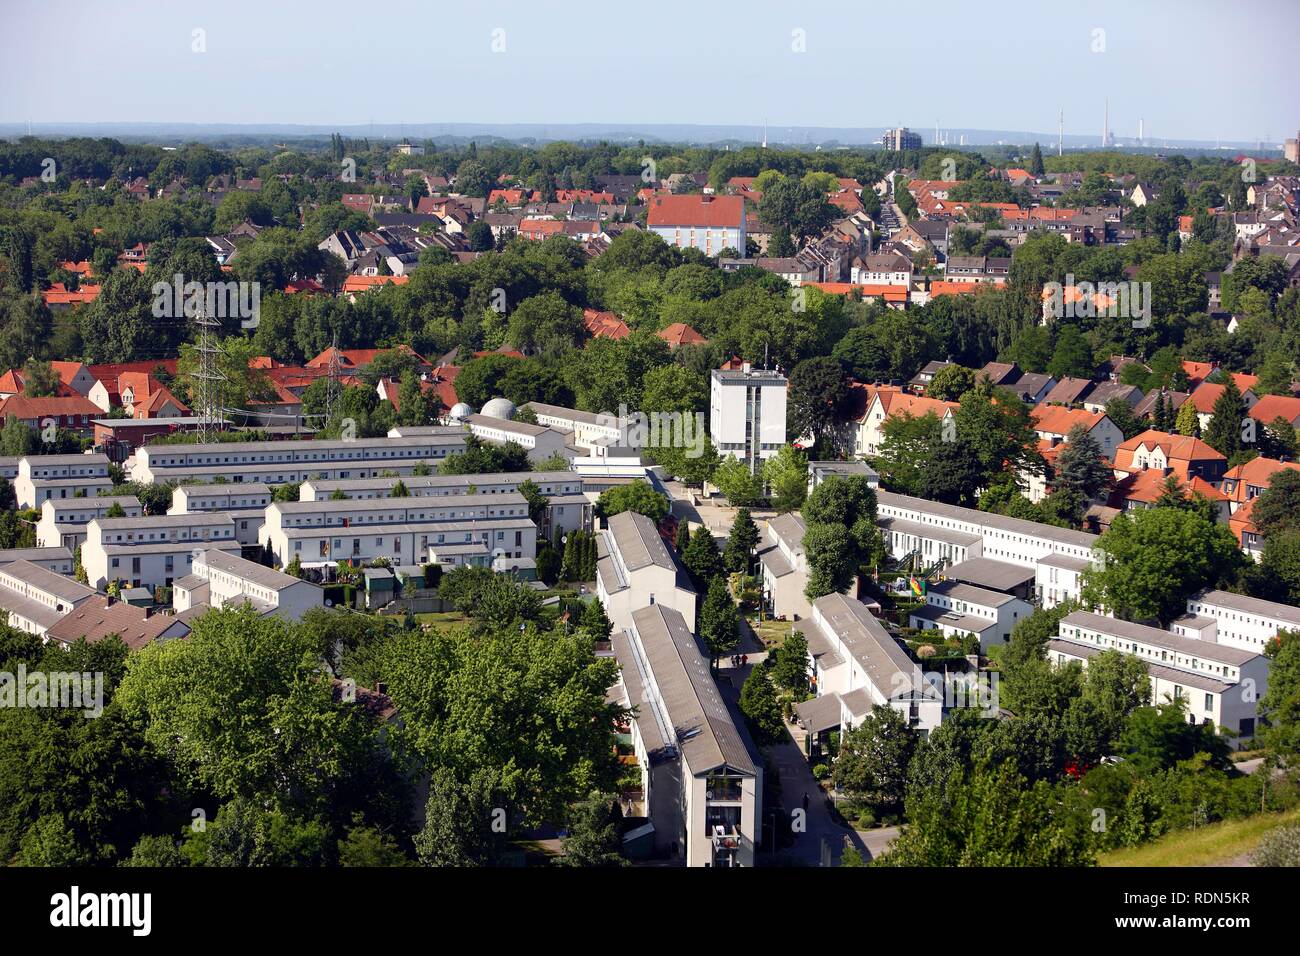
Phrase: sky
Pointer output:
(1192, 69)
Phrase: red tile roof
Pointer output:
(700, 211)
(679, 333)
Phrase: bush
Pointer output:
(1280, 847)
(821, 771)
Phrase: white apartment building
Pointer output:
(244, 501)
(785, 567)
(539, 441)
(35, 598)
(708, 223)
(44, 477)
(957, 609)
(58, 560)
(63, 520)
(278, 462)
(702, 779)
(1220, 684)
(221, 579)
(635, 569)
(403, 530)
(1235, 620)
(148, 551)
(747, 413)
(821, 471)
(568, 508)
(589, 429)
(858, 665)
(940, 535)
(1059, 577)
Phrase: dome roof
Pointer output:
(460, 410)
(499, 408)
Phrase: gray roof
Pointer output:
(969, 592)
(790, 528)
(250, 571)
(842, 468)
(987, 519)
(211, 518)
(1200, 681)
(422, 503)
(988, 573)
(638, 541)
(1250, 605)
(955, 619)
(506, 424)
(929, 531)
(706, 734)
(820, 713)
(887, 665)
(35, 554)
(1056, 560)
(1208, 650)
(49, 581)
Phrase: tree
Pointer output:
(399, 490)
(1120, 412)
(1036, 161)
(1223, 433)
(741, 542)
(762, 710)
(1277, 509)
(741, 487)
(1080, 466)
(999, 430)
(789, 667)
(798, 207)
(464, 820)
(819, 400)
(786, 473)
(1187, 422)
(702, 560)
(719, 620)
(1159, 737)
(635, 496)
(1153, 559)
(115, 510)
(950, 383)
(1281, 702)
(416, 406)
(593, 839)
(990, 816)
(39, 379)
(873, 760)
(841, 534)
(1072, 358)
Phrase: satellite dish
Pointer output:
(329, 602)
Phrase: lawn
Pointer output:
(771, 632)
(443, 619)
(1213, 845)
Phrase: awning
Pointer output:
(819, 714)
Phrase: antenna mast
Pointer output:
(208, 377)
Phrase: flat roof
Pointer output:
(988, 573)
(1249, 605)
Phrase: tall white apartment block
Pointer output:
(747, 413)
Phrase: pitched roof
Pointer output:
(1058, 420)
(697, 210)
(1177, 449)
(95, 619)
(679, 333)
(27, 408)
(1271, 407)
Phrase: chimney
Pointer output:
(381, 688)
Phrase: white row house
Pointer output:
(568, 508)
(43, 478)
(635, 569)
(957, 609)
(221, 579)
(785, 567)
(1219, 684)
(539, 441)
(940, 535)
(34, 598)
(59, 560)
(1235, 620)
(152, 550)
(277, 462)
(701, 776)
(858, 665)
(589, 429)
(245, 502)
(63, 520)
(400, 529)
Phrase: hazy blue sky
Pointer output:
(1191, 68)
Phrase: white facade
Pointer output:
(1219, 684)
(539, 441)
(44, 478)
(277, 462)
(702, 782)
(245, 502)
(149, 551)
(784, 567)
(957, 609)
(747, 414)
(1235, 620)
(34, 598)
(635, 569)
(402, 530)
(63, 521)
(231, 580)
